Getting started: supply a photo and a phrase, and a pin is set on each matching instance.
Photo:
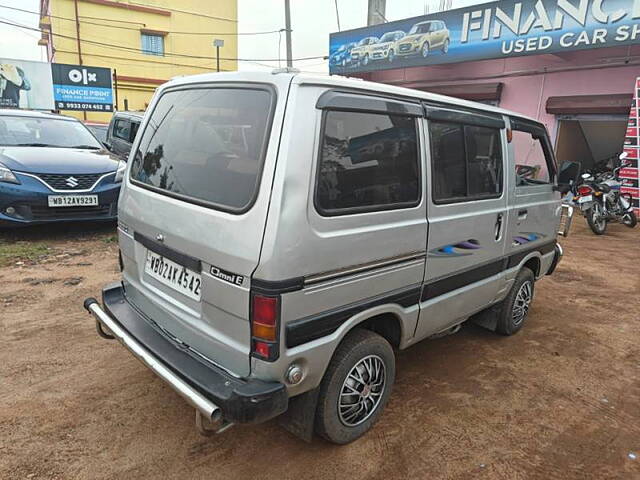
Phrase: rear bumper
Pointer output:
(211, 390)
(557, 256)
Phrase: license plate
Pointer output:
(585, 199)
(73, 200)
(173, 275)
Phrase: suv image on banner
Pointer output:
(282, 235)
(362, 50)
(423, 38)
(384, 49)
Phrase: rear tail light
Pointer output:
(265, 313)
(584, 190)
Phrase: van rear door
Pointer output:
(193, 210)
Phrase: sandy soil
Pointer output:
(559, 400)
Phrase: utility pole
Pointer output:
(287, 21)
(376, 12)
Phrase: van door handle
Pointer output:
(498, 231)
(522, 214)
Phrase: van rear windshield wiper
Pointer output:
(34, 144)
(89, 147)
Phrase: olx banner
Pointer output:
(79, 87)
(501, 29)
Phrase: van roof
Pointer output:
(15, 112)
(338, 81)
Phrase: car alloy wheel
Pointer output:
(425, 50)
(522, 303)
(362, 391)
(445, 47)
(391, 55)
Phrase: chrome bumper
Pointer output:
(557, 256)
(208, 409)
(566, 216)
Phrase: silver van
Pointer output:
(282, 234)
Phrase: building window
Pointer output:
(368, 162)
(466, 161)
(152, 44)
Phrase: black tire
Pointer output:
(597, 228)
(508, 323)
(445, 47)
(358, 346)
(630, 219)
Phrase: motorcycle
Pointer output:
(600, 199)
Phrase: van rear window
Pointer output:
(206, 145)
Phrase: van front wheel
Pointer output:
(515, 307)
(355, 387)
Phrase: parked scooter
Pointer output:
(600, 199)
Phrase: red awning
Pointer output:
(576, 104)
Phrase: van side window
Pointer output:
(531, 160)
(368, 161)
(466, 162)
(122, 129)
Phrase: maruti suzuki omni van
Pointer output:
(281, 235)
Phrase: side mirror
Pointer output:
(569, 173)
(107, 146)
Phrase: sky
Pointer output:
(311, 22)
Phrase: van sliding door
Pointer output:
(467, 206)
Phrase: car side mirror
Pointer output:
(568, 175)
(107, 146)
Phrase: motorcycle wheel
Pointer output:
(595, 219)
(629, 219)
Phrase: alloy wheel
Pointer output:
(521, 303)
(362, 391)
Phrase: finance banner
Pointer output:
(80, 87)
(502, 29)
(54, 86)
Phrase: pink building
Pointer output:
(583, 97)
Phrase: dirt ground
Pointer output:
(561, 399)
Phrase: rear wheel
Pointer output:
(596, 219)
(356, 387)
(629, 219)
(515, 307)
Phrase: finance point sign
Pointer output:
(55, 86)
(502, 29)
(79, 87)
